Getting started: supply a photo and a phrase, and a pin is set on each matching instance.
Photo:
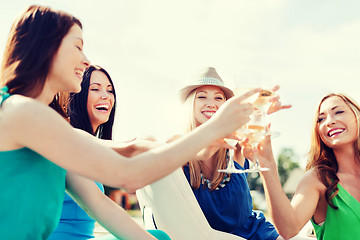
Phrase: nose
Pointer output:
(210, 104)
(105, 95)
(85, 61)
(329, 121)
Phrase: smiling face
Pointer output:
(100, 99)
(69, 63)
(337, 124)
(207, 101)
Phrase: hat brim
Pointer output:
(186, 91)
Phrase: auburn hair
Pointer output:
(322, 158)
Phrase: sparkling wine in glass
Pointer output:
(262, 102)
(255, 130)
(255, 135)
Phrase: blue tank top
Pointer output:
(230, 209)
(74, 223)
(32, 190)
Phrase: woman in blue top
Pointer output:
(91, 110)
(43, 57)
(224, 198)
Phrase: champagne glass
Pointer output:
(257, 126)
(230, 168)
(262, 101)
(238, 90)
(255, 130)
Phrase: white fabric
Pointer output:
(176, 210)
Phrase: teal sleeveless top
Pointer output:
(32, 192)
(342, 223)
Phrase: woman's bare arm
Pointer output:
(289, 217)
(101, 208)
(29, 123)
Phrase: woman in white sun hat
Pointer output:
(224, 198)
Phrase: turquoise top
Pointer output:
(342, 223)
(31, 194)
(4, 94)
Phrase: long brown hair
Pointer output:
(322, 157)
(33, 41)
(195, 167)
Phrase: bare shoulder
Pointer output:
(18, 106)
(21, 115)
(19, 111)
(311, 180)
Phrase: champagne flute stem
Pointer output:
(267, 128)
(257, 166)
(231, 159)
(256, 162)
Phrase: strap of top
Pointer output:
(4, 94)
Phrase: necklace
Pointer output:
(226, 179)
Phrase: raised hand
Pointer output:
(265, 153)
(233, 114)
(246, 149)
(276, 104)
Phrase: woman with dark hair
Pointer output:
(329, 193)
(42, 154)
(79, 112)
(97, 99)
(78, 109)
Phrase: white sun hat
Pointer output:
(209, 78)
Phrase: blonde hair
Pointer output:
(322, 157)
(195, 167)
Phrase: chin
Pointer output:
(101, 120)
(76, 89)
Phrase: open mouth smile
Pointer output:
(335, 132)
(208, 114)
(102, 107)
(79, 73)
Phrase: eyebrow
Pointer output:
(81, 39)
(100, 84)
(207, 92)
(333, 108)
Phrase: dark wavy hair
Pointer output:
(77, 108)
(322, 157)
(33, 41)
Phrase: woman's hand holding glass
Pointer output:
(237, 112)
(263, 152)
(254, 130)
(265, 102)
(246, 108)
(233, 114)
(276, 104)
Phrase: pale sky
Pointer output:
(153, 48)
